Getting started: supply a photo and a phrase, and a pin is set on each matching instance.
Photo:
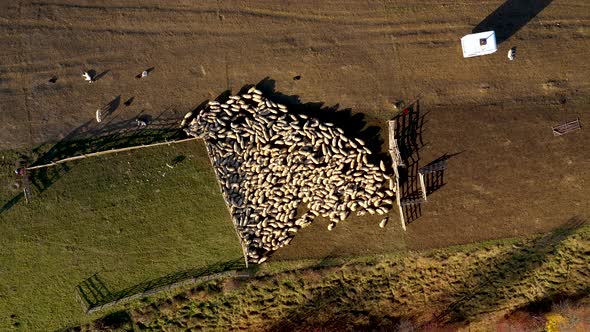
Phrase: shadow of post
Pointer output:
(12, 202)
(510, 17)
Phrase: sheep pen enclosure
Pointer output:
(270, 161)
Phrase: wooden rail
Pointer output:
(100, 153)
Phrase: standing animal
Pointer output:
(87, 77)
(512, 53)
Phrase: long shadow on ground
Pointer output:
(510, 17)
(494, 283)
(344, 305)
(94, 137)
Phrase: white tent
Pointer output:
(477, 44)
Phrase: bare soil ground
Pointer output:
(511, 176)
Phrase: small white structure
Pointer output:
(477, 44)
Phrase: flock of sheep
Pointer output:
(279, 171)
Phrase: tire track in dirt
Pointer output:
(120, 31)
(22, 77)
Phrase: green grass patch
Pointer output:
(457, 286)
(131, 217)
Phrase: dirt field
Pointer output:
(511, 175)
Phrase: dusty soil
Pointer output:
(511, 176)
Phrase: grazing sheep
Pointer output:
(512, 53)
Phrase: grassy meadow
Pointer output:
(128, 217)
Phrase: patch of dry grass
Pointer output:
(430, 289)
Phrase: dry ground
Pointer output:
(512, 176)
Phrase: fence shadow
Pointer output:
(510, 17)
(94, 137)
(93, 290)
(410, 127)
(434, 172)
(94, 293)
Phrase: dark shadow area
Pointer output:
(145, 118)
(95, 137)
(510, 17)
(409, 131)
(101, 75)
(550, 302)
(148, 71)
(12, 202)
(100, 295)
(353, 124)
(129, 101)
(339, 306)
(178, 159)
(112, 106)
(93, 290)
(53, 79)
(434, 172)
(493, 283)
(115, 321)
(410, 124)
(91, 73)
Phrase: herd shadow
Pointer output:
(353, 124)
(510, 17)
